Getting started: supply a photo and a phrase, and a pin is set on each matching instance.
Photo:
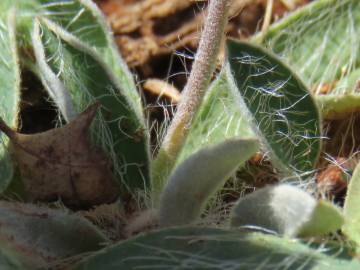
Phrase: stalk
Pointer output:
(193, 93)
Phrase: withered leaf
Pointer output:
(62, 164)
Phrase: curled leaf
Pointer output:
(286, 210)
(61, 163)
(54, 86)
(9, 91)
(198, 177)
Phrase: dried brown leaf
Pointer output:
(62, 164)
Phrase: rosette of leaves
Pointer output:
(66, 44)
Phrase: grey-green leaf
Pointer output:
(198, 177)
(9, 91)
(280, 106)
(286, 210)
(43, 235)
(352, 208)
(206, 248)
(88, 79)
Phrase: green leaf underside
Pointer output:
(198, 177)
(321, 41)
(205, 248)
(352, 208)
(282, 109)
(117, 128)
(9, 92)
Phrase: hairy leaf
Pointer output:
(198, 177)
(281, 108)
(286, 210)
(117, 129)
(81, 18)
(352, 208)
(321, 41)
(84, 20)
(206, 248)
(9, 91)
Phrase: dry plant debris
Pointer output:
(162, 88)
(62, 164)
(146, 29)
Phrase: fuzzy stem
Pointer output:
(193, 93)
(201, 72)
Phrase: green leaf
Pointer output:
(87, 79)
(321, 41)
(84, 20)
(281, 108)
(43, 235)
(200, 176)
(325, 218)
(352, 208)
(344, 99)
(286, 210)
(206, 248)
(9, 91)
(338, 106)
(219, 118)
